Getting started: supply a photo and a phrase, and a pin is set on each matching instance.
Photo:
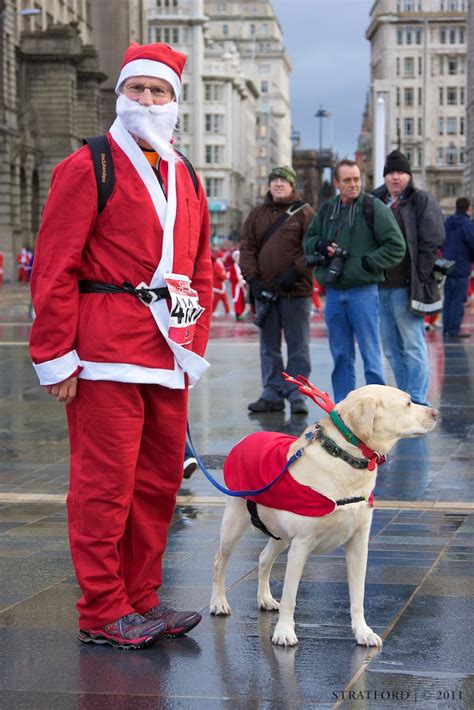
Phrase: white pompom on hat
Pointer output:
(158, 60)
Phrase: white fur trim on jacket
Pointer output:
(148, 67)
(190, 362)
(54, 371)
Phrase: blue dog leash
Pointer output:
(244, 494)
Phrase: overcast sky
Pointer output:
(325, 40)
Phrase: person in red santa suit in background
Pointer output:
(120, 332)
(24, 260)
(238, 285)
(219, 279)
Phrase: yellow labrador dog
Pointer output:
(378, 416)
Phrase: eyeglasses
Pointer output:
(156, 91)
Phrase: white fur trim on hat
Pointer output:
(148, 67)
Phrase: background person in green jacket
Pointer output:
(351, 256)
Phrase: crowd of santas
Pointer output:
(225, 266)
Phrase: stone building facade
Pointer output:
(49, 100)
(418, 66)
(253, 28)
(469, 172)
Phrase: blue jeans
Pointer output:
(352, 315)
(404, 343)
(455, 291)
(289, 316)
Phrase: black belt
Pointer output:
(144, 294)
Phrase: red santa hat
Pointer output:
(157, 59)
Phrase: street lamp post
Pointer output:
(321, 113)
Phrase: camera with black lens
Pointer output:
(336, 265)
(268, 298)
(314, 260)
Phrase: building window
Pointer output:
(409, 5)
(408, 37)
(168, 35)
(442, 36)
(214, 154)
(214, 187)
(451, 156)
(264, 87)
(420, 96)
(440, 126)
(214, 123)
(398, 66)
(409, 66)
(451, 189)
(452, 36)
(451, 126)
(461, 126)
(420, 126)
(461, 96)
(399, 36)
(225, 30)
(420, 66)
(461, 35)
(184, 122)
(409, 155)
(461, 156)
(453, 5)
(185, 92)
(418, 35)
(452, 65)
(441, 96)
(451, 96)
(408, 126)
(397, 96)
(409, 98)
(213, 91)
(440, 157)
(441, 65)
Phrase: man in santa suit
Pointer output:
(219, 279)
(120, 332)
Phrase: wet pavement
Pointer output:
(420, 574)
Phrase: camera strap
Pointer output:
(293, 209)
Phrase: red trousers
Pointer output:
(127, 446)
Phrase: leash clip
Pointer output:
(145, 294)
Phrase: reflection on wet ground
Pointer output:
(419, 582)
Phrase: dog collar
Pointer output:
(323, 400)
(329, 445)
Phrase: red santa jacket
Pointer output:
(113, 336)
(257, 460)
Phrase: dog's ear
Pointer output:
(360, 418)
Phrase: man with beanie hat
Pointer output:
(272, 262)
(410, 291)
(123, 301)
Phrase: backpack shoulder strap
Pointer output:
(288, 214)
(190, 169)
(103, 168)
(368, 210)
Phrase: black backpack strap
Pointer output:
(103, 168)
(190, 169)
(292, 209)
(368, 210)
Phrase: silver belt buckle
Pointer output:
(152, 295)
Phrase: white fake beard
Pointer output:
(154, 124)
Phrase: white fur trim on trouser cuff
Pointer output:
(147, 67)
(57, 370)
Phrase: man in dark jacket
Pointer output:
(459, 245)
(273, 265)
(410, 291)
(352, 299)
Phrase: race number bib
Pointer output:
(185, 309)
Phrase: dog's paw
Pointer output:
(366, 637)
(219, 607)
(284, 635)
(267, 603)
